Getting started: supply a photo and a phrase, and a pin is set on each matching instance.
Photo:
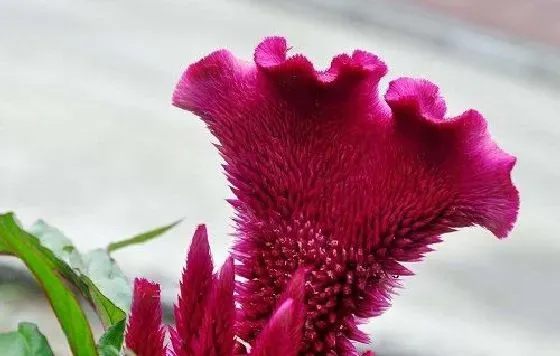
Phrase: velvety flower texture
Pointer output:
(330, 176)
(205, 310)
(145, 334)
(205, 313)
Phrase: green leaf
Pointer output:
(37, 343)
(102, 270)
(62, 247)
(111, 342)
(109, 351)
(143, 237)
(26, 341)
(13, 343)
(96, 274)
(105, 287)
(107, 311)
(4, 249)
(44, 267)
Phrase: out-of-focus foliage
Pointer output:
(53, 260)
(26, 340)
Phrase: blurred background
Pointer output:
(90, 143)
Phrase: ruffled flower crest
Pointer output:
(332, 177)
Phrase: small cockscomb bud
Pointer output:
(145, 335)
(216, 335)
(196, 285)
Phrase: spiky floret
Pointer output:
(145, 335)
(282, 334)
(196, 285)
(217, 328)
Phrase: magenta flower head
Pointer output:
(332, 177)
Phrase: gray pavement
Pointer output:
(90, 143)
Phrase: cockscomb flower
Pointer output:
(145, 334)
(331, 176)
